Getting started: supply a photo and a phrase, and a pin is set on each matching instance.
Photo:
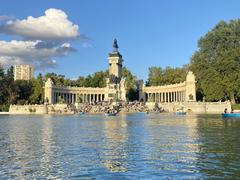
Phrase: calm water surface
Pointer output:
(139, 146)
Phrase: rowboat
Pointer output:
(111, 114)
(180, 113)
(231, 115)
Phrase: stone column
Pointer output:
(54, 96)
(48, 91)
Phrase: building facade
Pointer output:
(115, 89)
(181, 92)
(23, 72)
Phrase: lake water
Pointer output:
(138, 146)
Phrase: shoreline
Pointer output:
(123, 108)
(102, 113)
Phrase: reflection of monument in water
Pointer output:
(31, 147)
(115, 154)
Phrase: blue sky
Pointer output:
(149, 32)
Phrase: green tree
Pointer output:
(57, 79)
(98, 79)
(158, 76)
(216, 63)
(24, 89)
(37, 92)
(80, 82)
(8, 89)
(131, 84)
(2, 87)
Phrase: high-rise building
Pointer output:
(23, 72)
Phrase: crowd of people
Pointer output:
(120, 107)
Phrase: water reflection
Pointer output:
(124, 147)
(219, 147)
(49, 163)
(172, 144)
(114, 154)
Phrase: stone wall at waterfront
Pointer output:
(195, 107)
(28, 109)
(41, 109)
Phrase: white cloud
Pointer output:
(38, 53)
(54, 25)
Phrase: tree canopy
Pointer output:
(216, 63)
(158, 76)
(19, 91)
(32, 92)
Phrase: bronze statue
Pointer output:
(115, 46)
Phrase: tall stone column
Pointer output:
(190, 92)
(48, 91)
(73, 98)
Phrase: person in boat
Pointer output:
(225, 110)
